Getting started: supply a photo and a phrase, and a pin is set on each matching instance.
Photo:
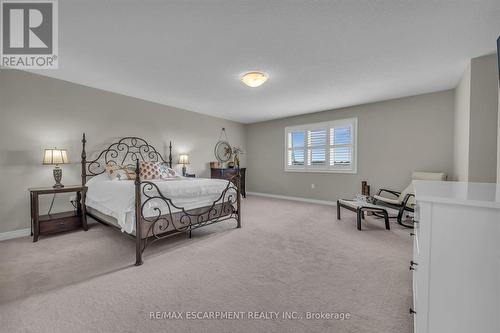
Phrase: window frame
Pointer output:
(327, 168)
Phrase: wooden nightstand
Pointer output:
(57, 222)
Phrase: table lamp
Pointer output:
(184, 159)
(55, 157)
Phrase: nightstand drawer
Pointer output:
(59, 222)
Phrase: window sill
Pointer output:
(321, 171)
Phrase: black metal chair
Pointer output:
(405, 201)
(402, 205)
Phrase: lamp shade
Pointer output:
(184, 159)
(55, 156)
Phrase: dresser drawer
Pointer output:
(223, 173)
(415, 299)
(416, 232)
(416, 219)
(415, 309)
(416, 248)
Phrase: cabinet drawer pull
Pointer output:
(412, 263)
(412, 311)
(412, 234)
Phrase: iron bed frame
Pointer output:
(130, 151)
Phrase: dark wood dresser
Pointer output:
(228, 173)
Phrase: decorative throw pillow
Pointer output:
(149, 170)
(120, 172)
(166, 172)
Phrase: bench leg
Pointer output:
(338, 210)
(358, 218)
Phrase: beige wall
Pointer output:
(461, 129)
(395, 138)
(445, 131)
(39, 112)
(483, 119)
(498, 138)
(476, 122)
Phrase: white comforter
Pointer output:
(117, 198)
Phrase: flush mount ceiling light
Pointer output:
(254, 79)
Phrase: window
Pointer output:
(322, 147)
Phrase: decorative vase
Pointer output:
(237, 160)
(57, 172)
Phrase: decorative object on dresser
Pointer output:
(230, 173)
(215, 165)
(223, 150)
(365, 188)
(237, 151)
(55, 157)
(184, 159)
(190, 175)
(455, 263)
(57, 222)
(152, 214)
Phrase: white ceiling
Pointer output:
(319, 54)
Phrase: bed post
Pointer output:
(138, 201)
(84, 161)
(170, 154)
(238, 198)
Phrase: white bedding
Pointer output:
(117, 198)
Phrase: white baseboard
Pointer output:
(276, 196)
(15, 234)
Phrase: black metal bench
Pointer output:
(360, 208)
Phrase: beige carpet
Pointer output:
(288, 256)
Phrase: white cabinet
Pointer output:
(456, 251)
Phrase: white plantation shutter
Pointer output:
(296, 157)
(340, 156)
(316, 147)
(329, 147)
(341, 146)
(296, 149)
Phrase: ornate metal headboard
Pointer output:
(126, 151)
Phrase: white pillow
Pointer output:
(167, 172)
(99, 178)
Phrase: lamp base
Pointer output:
(57, 177)
(184, 170)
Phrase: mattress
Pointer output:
(116, 198)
